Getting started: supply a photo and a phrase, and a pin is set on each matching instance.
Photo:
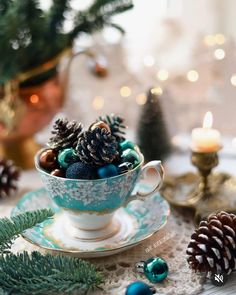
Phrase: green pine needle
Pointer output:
(47, 274)
(11, 228)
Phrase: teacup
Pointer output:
(91, 204)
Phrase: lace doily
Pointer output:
(119, 271)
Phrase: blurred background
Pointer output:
(184, 50)
(185, 47)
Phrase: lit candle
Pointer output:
(206, 139)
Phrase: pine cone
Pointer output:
(116, 125)
(9, 174)
(212, 245)
(97, 147)
(65, 134)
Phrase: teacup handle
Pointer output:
(160, 173)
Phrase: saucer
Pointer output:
(130, 226)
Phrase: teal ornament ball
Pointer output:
(80, 170)
(107, 171)
(125, 167)
(138, 288)
(127, 144)
(155, 269)
(67, 157)
(131, 156)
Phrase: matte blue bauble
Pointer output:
(125, 167)
(80, 170)
(107, 171)
(138, 288)
(67, 157)
(127, 144)
(155, 269)
(130, 156)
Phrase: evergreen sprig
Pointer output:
(11, 228)
(47, 274)
(31, 36)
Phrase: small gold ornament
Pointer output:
(100, 124)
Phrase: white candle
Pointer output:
(206, 139)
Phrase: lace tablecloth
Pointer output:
(119, 271)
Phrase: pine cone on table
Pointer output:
(212, 248)
(9, 175)
(116, 124)
(65, 134)
(97, 147)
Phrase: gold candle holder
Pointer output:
(205, 192)
(205, 162)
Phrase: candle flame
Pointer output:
(208, 120)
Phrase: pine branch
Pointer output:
(98, 15)
(11, 228)
(47, 274)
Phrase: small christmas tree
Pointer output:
(152, 135)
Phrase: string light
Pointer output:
(192, 76)
(125, 91)
(148, 61)
(209, 40)
(233, 80)
(212, 40)
(219, 54)
(141, 99)
(162, 75)
(157, 91)
(34, 99)
(98, 102)
(219, 39)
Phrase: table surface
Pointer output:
(178, 163)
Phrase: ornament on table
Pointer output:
(80, 170)
(65, 134)
(116, 124)
(67, 157)
(139, 288)
(48, 160)
(213, 244)
(152, 135)
(155, 269)
(9, 175)
(97, 147)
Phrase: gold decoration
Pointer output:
(205, 194)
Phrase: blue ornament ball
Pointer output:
(127, 144)
(155, 269)
(131, 156)
(107, 171)
(80, 170)
(67, 157)
(138, 288)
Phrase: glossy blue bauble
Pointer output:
(155, 269)
(138, 288)
(125, 167)
(127, 144)
(67, 157)
(131, 156)
(107, 171)
(80, 170)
